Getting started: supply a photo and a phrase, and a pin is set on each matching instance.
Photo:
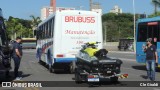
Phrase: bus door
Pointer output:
(154, 33)
(147, 30)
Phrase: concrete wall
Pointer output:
(111, 46)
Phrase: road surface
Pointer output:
(31, 70)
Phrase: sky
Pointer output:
(24, 8)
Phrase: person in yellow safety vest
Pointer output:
(91, 49)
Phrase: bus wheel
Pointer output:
(40, 61)
(39, 56)
(77, 76)
(50, 68)
(72, 67)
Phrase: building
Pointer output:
(64, 8)
(44, 13)
(53, 5)
(116, 10)
(47, 11)
(96, 7)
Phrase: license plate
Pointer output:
(108, 71)
(93, 79)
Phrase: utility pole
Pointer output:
(134, 26)
(91, 2)
(105, 32)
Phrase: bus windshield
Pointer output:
(148, 30)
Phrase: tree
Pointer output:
(18, 27)
(156, 4)
(35, 21)
(12, 26)
(154, 15)
(118, 25)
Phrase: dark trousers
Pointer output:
(17, 61)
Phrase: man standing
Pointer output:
(151, 59)
(17, 55)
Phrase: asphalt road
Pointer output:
(31, 70)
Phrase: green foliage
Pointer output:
(20, 27)
(118, 25)
(154, 15)
(156, 4)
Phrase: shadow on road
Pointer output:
(143, 67)
(144, 76)
(139, 67)
(65, 69)
(3, 78)
(62, 72)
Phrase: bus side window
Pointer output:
(43, 32)
(46, 30)
(52, 27)
(142, 32)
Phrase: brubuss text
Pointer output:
(80, 19)
(89, 32)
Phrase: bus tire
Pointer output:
(50, 67)
(72, 67)
(39, 56)
(78, 79)
(40, 61)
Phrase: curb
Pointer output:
(122, 52)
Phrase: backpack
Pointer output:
(11, 46)
(4, 53)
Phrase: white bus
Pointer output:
(59, 37)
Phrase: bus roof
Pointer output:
(66, 11)
(149, 19)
